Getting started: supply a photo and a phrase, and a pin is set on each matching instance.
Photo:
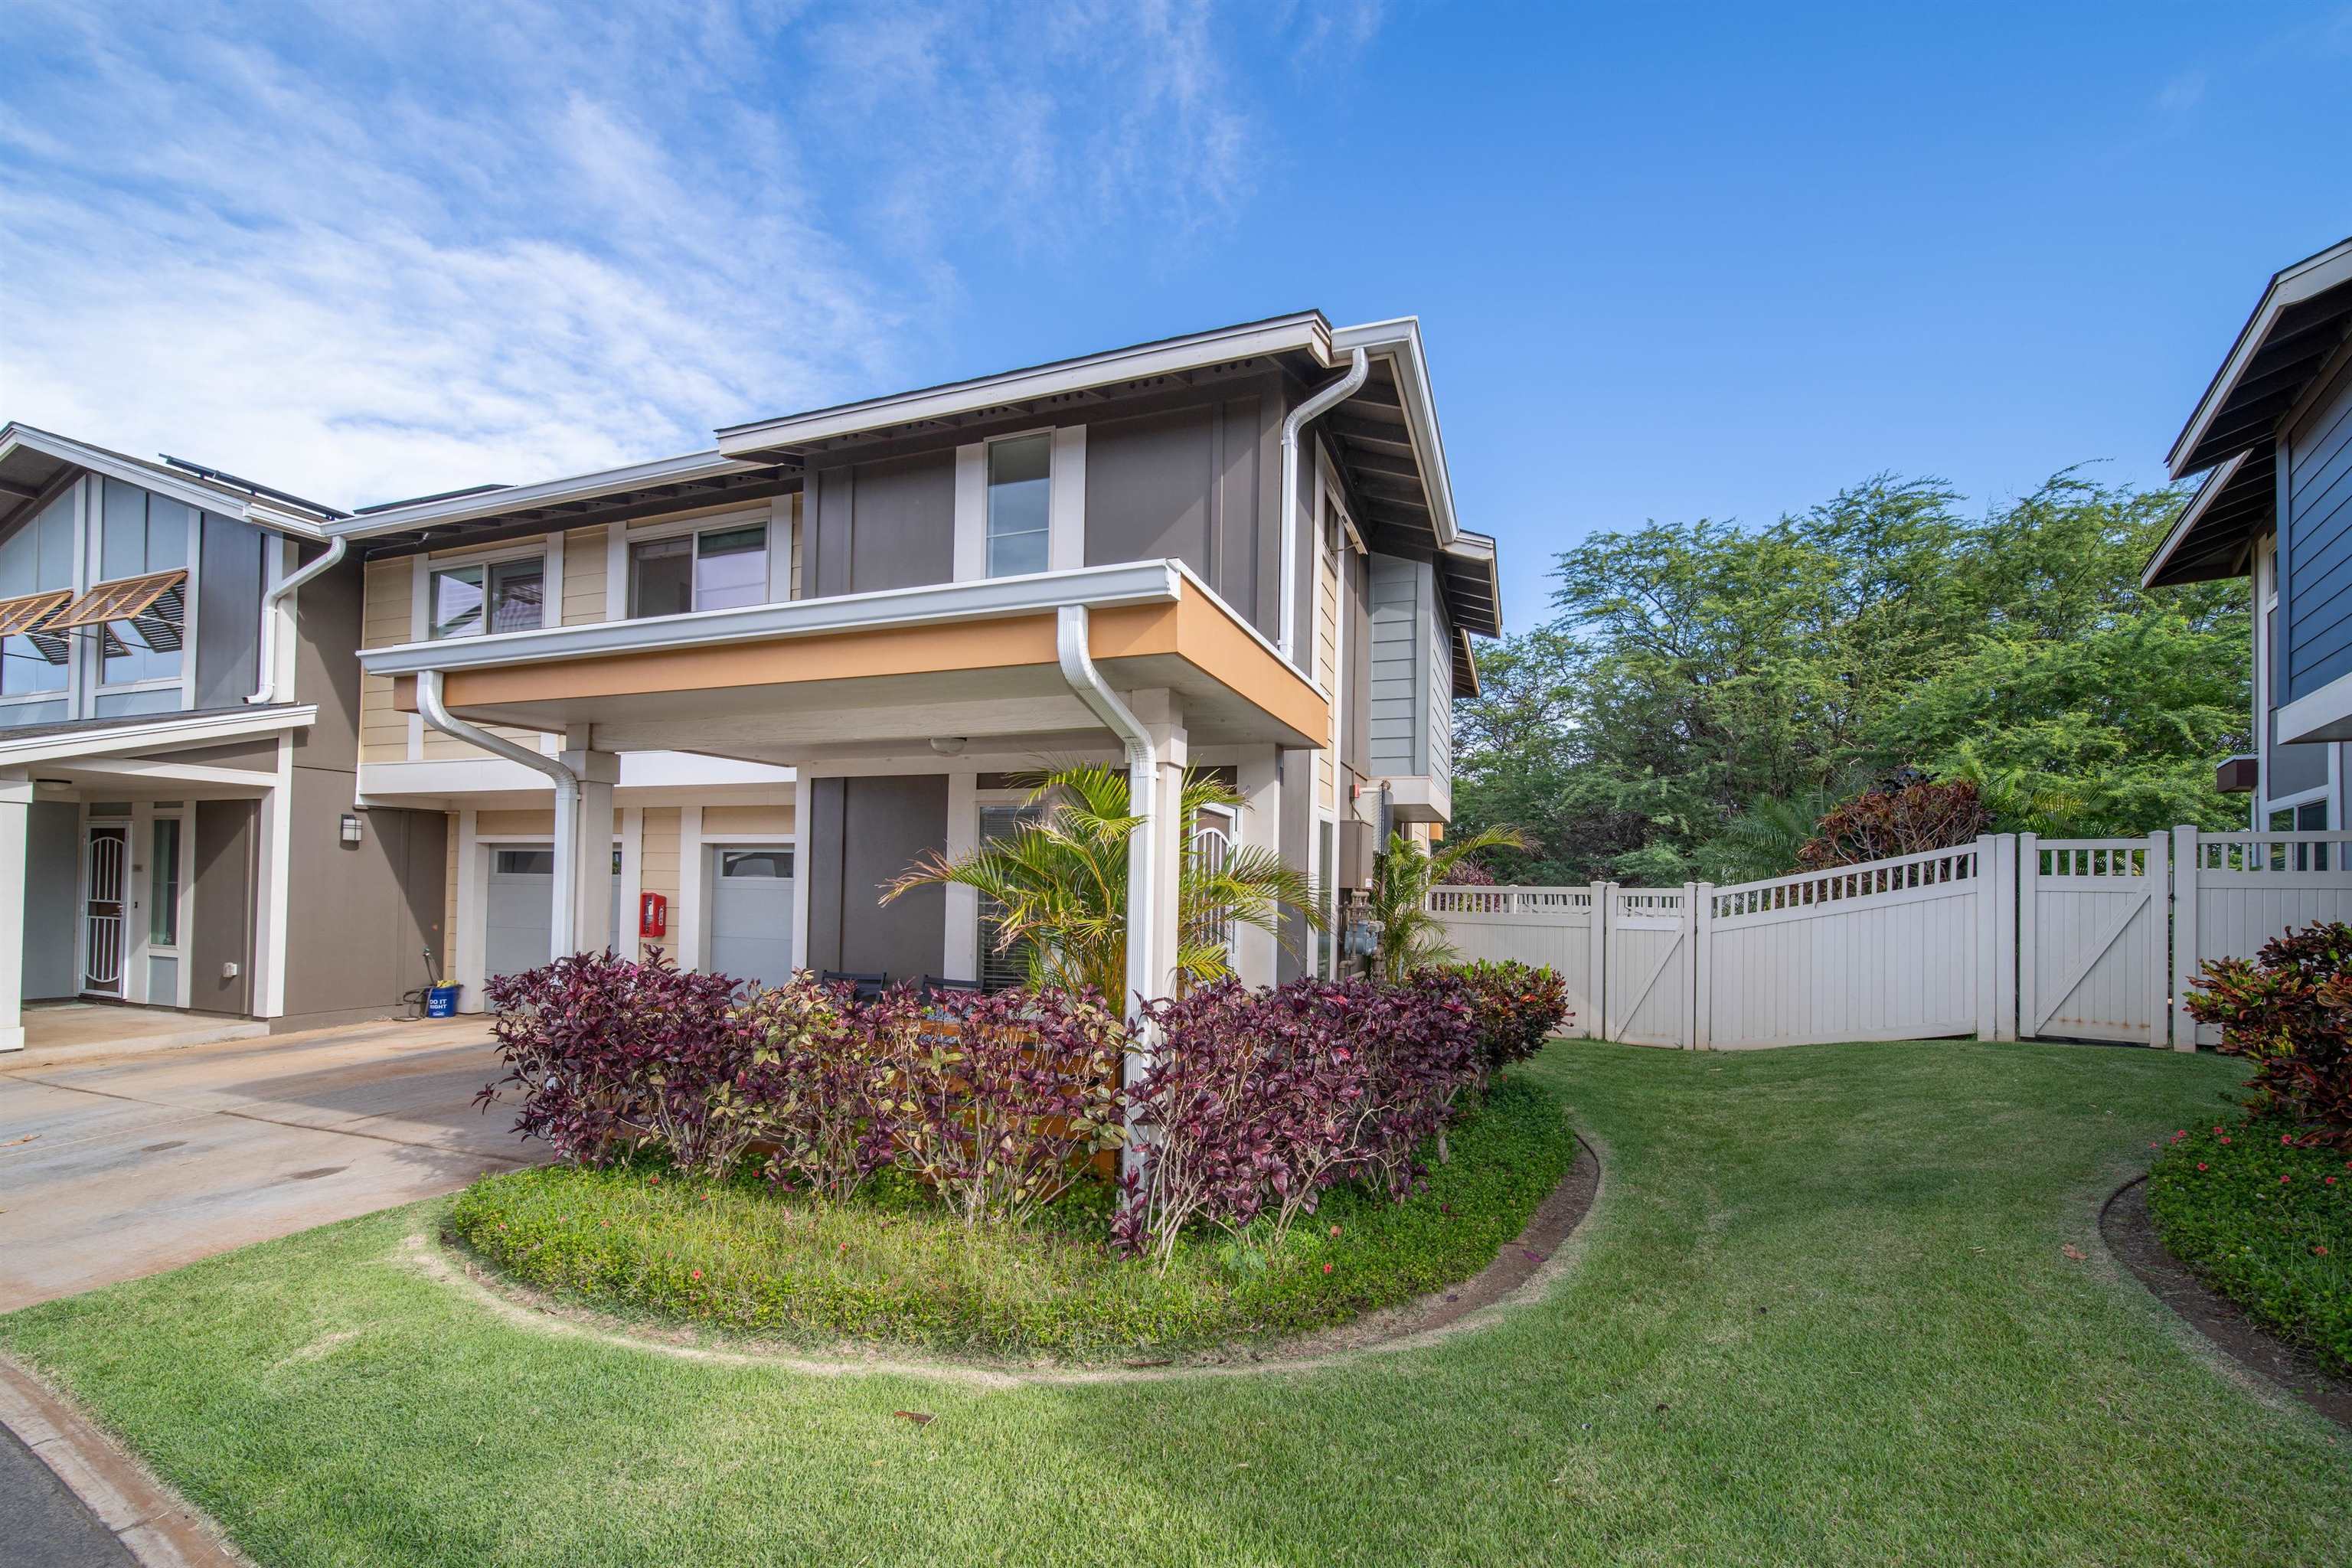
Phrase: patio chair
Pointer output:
(864, 987)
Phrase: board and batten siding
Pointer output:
(1412, 680)
(2316, 506)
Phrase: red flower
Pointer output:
(2286, 1139)
(2201, 1164)
(1335, 1230)
(2331, 1181)
(2285, 1180)
(2319, 1252)
(2225, 1139)
(696, 1274)
(2217, 1132)
(1327, 1269)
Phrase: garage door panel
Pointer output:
(519, 924)
(751, 913)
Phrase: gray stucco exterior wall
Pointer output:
(228, 612)
(221, 929)
(52, 873)
(861, 833)
(889, 524)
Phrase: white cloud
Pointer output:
(2182, 93)
(373, 251)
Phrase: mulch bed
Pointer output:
(2130, 1235)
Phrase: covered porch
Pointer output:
(902, 712)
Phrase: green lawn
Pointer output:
(1824, 1313)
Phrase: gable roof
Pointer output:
(2302, 318)
(33, 460)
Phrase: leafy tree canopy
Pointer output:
(1706, 691)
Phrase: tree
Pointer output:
(1705, 693)
(1060, 883)
(1403, 874)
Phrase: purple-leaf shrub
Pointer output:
(998, 1101)
(606, 1053)
(815, 1091)
(1257, 1102)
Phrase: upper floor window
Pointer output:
(512, 592)
(142, 535)
(715, 569)
(36, 560)
(1019, 505)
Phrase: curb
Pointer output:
(153, 1525)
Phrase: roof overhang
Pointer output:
(161, 733)
(2303, 318)
(2214, 537)
(789, 436)
(638, 489)
(33, 461)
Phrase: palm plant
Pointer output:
(1403, 875)
(1059, 884)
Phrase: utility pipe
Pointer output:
(1142, 786)
(563, 931)
(267, 691)
(1358, 367)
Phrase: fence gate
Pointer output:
(2092, 938)
(1651, 957)
(1555, 926)
(1886, 951)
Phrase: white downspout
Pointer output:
(563, 932)
(1142, 786)
(1358, 367)
(267, 691)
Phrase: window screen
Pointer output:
(1018, 510)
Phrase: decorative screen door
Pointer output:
(104, 936)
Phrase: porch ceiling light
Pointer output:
(949, 745)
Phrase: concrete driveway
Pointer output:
(128, 1159)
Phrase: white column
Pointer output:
(467, 955)
(1259, 776)
(633, 877)
(16, 819)
(802, 795)
(584, 853)
(1700, 899)
(2159, 933)
(2185, 858)
(272, 898)
(686, 922)
(1155, 853)
(960, 952)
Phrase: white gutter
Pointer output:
(1087, 681)
(267, 691)
(1358, 367)
(563, 932)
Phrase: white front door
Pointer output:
(105, 940)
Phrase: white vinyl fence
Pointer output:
(2011, 936)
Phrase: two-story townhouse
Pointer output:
(810, 656)
(2272, 435)
(179, 718)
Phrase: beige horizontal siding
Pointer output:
(742, 821)
(583, 577)
(384, 621)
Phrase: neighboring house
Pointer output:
(2272, 435)
(178, 752)
(762, 680)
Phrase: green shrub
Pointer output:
(892, 1266)
(2265, 1220)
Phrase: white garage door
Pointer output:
(751, 913)
(518, 931)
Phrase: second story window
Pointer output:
(497, 596)
(36, 575)
(141, 536)
(1019, 504)
(716, 569)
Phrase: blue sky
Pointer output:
(1670, 261)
